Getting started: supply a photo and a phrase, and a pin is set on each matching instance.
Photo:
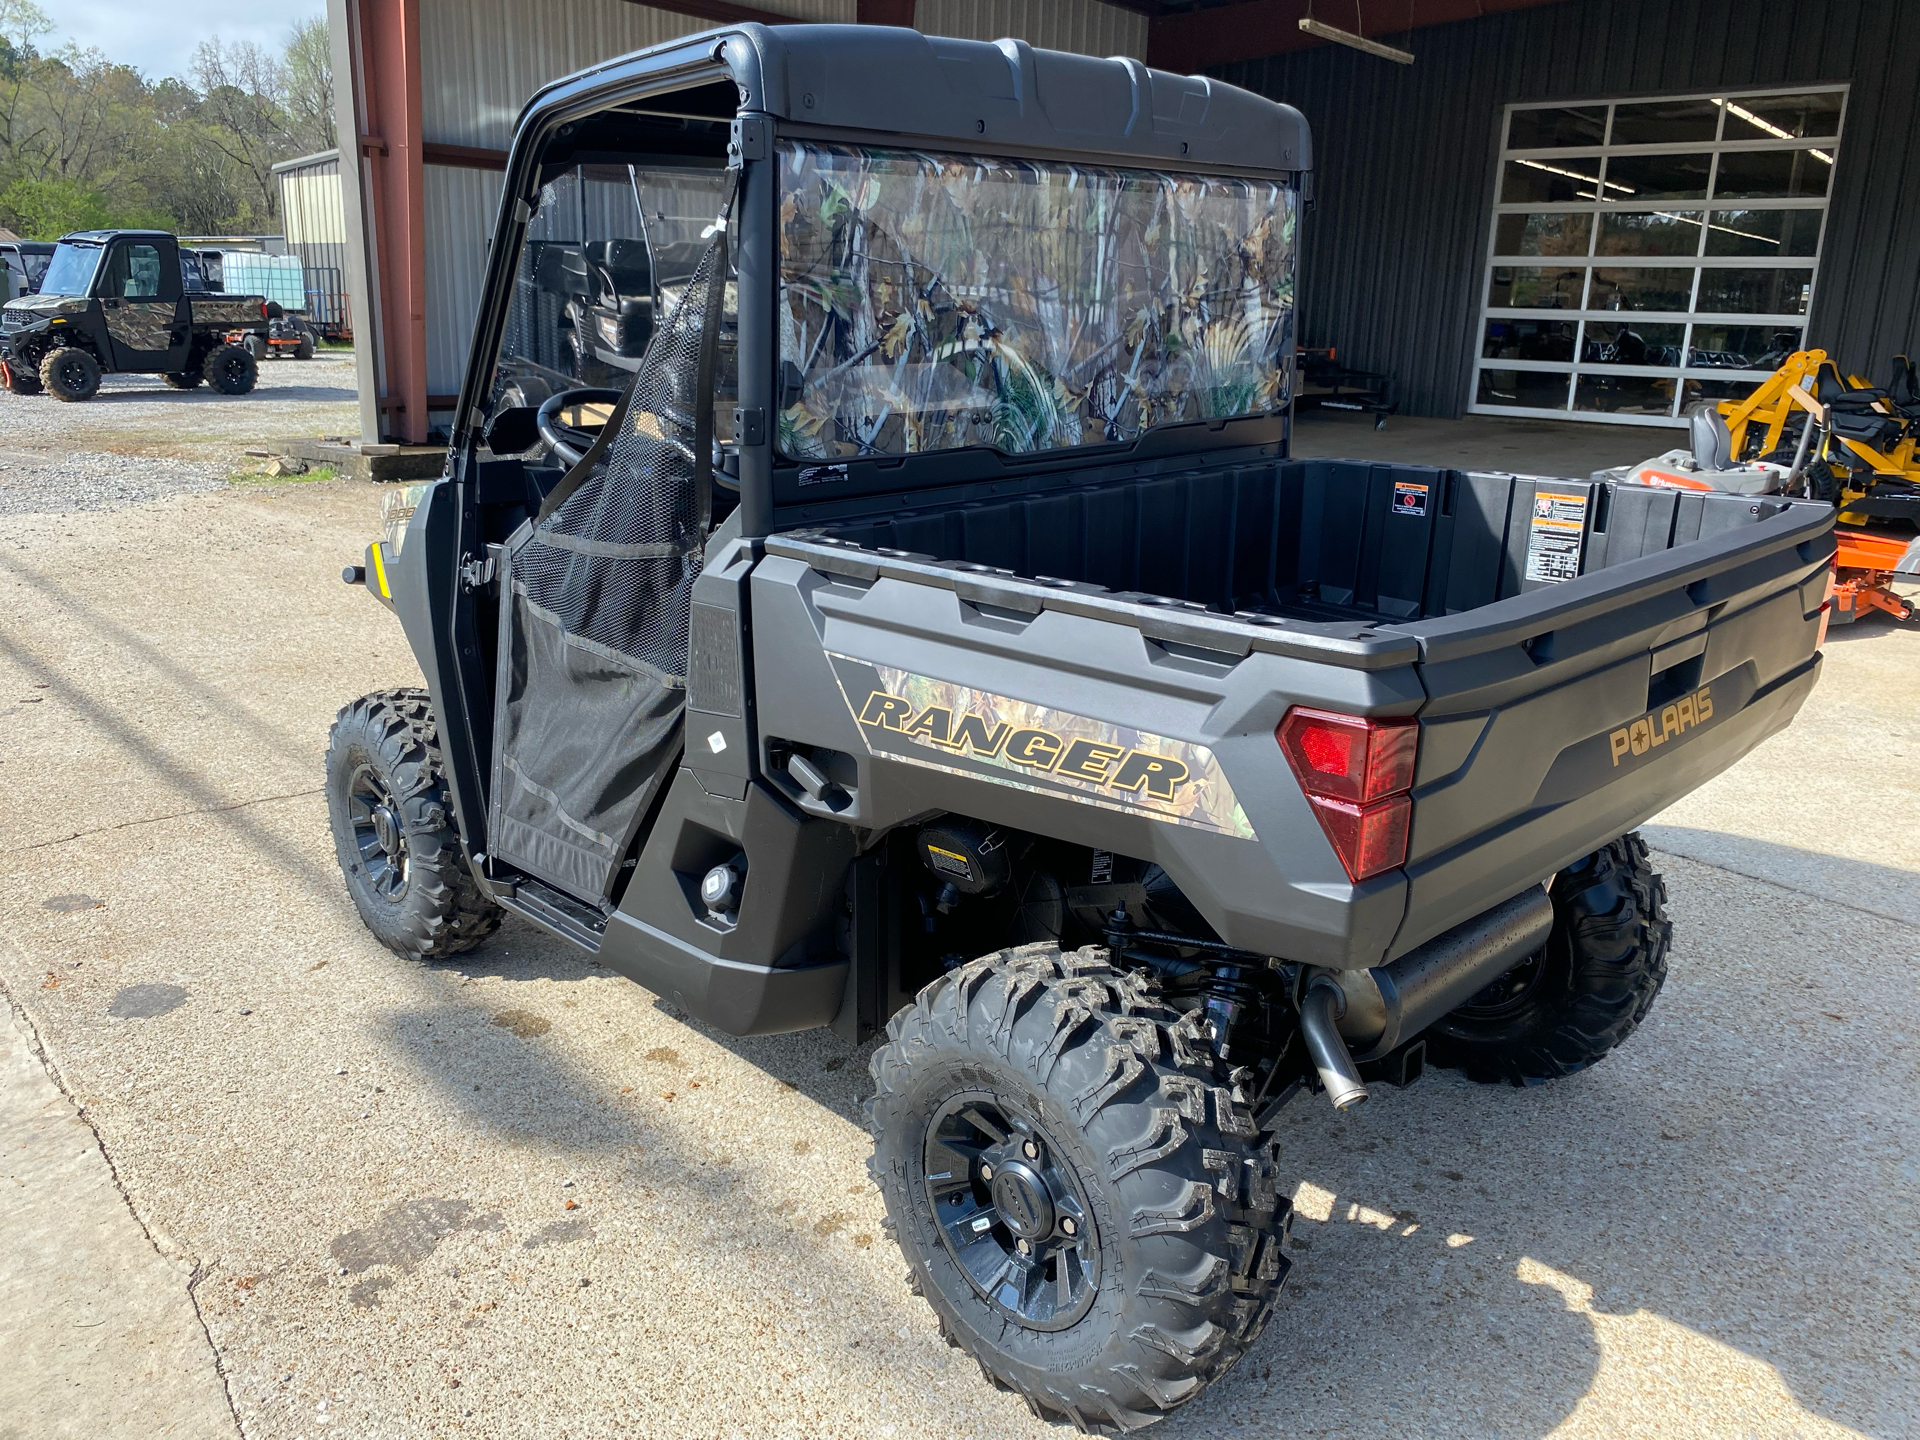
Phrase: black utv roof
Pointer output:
(902, 85)
(99, 237)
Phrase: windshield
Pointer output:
(930, 302)
(70, 271)
(607, 255)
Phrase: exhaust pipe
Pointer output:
(1320, 1011)
(1350, 1016)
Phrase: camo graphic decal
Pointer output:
(943, 726)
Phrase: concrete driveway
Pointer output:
(518, 1196)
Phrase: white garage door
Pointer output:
(1647, 254)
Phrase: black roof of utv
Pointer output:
(1000, 95)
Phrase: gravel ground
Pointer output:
(518, 1196)
(138, 441)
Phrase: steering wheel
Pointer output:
(570, 442)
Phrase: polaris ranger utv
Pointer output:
(936, 634)
(117, 302)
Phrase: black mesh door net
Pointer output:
(594, 615)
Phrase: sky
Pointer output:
(158, 37)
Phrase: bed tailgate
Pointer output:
(1563, 717)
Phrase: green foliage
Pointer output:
(86, 143)
(48, 209)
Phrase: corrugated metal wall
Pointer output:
(1087, 26)
(482, 60)
(460, 210)
(1395, 247)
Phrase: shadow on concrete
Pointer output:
(182, 677)
(1884, 891)
(205, 395)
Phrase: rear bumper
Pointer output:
(1456, 884)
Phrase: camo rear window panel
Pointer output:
(932, 302)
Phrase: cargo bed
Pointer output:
(1561, 633)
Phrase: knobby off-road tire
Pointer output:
(1567, 1007)
(394, 831)
(232, 370)
(22, 380)
(1157, 1169)
(304, 350)
(70, 373)
(185, 379)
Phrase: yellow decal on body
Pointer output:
(1656, 727)
(380, 570)
(935, 723)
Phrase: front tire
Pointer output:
(70, 373)
(1090, 1215)
(232, 370)
(394, 833)
(304, 350)
(22, 379)
(1566, 1008)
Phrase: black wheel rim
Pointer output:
(377, 833)
(1507, 994)
(73, 374)
(1011, 1212)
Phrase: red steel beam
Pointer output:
(1201, 39)
(721, 12)
(725, 12)
(886, 12)
(389, 33)
(463, 157)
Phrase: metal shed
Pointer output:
(316, 230)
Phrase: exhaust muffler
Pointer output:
(1351, 1016)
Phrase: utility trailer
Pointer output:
(935, 635)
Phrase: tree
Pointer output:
(309, 86)
(241, 86)
(85, 142)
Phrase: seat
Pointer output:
(1852, 411)
(1903, 387)
(1712, 445)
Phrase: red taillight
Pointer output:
(1356, 773)
(1346, 757)
(263, 310)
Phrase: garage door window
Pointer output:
(1648, 254)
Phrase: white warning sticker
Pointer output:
(1559, 532)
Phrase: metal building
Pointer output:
(1579, 209)
(314, 215)
(1727, 216)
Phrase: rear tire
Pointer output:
(232, 370)
(394, 832)
(1566, 1008)
(70, 373)
(304, 350)
(1154, 1217)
